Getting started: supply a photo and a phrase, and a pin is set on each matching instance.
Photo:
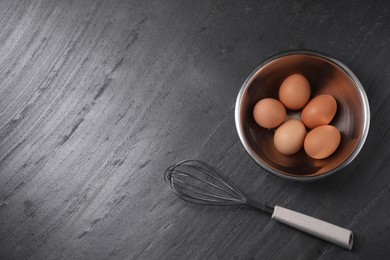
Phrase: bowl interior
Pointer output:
(325, 77)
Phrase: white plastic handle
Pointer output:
(318, 228)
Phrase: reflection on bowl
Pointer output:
(326, 76)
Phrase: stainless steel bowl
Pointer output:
(326, 76)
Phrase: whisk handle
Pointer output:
(316, 227)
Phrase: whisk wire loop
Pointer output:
(180, 173)
(181, 177)
(200, 191)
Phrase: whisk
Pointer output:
(195, 181)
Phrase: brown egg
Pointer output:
(269, 113)
(322, 141)
(294, 91)
(289, 137)
(319, 111)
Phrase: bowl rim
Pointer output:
(366, 109)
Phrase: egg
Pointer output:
(289, 137)
(319, 111)
(269, 113)
(294, 92)
(322, 141)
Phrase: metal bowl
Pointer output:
(326, 76)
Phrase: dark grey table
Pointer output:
(97, 98)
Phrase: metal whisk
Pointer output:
(195, 181)
(216, 190)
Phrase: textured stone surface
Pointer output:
(97, 98)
